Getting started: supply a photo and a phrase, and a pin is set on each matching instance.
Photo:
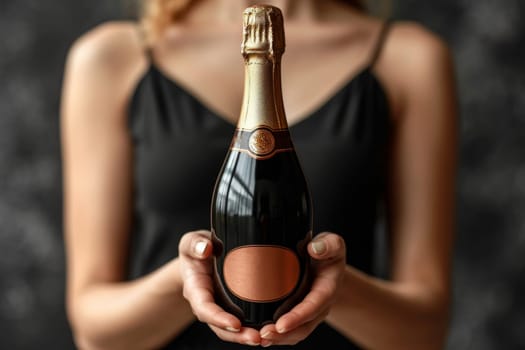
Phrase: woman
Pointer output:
(146, 122)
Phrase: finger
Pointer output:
(214, 315)
(270, 336)
(198, 290)
(245, 335)
(267, 330)
(196, 244)
(268, 333)
(327, 245)
(316, 301)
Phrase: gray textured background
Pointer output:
(489, 273)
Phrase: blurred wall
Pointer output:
(489, 269)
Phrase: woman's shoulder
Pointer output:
(109, 42)
(405, 43)
(114, 48)
(413, 59)
(414, 40)
(102, 69)
(418, 53)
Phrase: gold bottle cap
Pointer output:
(263, 31)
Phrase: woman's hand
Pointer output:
(196, 269)
(328, 251)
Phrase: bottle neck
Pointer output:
(262, 104)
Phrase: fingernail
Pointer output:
(266, 334)
(318, 247)
(252, 344)
(200, 247)
(281, 330)
(265, 345)
(231, 329)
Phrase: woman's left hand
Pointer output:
(328, 251)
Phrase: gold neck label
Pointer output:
(262, 142)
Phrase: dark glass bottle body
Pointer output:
(261, 203)
(261, 210)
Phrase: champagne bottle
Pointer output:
(261, 212)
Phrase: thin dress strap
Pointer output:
(148, 51)
(380, 41)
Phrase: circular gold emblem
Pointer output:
(261, 142)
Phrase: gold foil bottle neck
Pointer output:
(263, 31)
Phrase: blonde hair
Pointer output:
(157, 15)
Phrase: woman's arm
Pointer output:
(411, 310)
(105, 312)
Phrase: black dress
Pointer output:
(179, 147)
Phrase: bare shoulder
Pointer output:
(112, 49)
(414, 61)
(109, 43)
(102, 70)
(414, 42)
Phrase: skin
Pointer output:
(410, 310)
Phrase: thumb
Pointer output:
(327, 245)
(196, 244)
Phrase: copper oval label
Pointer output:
(261, 273)
(261, 142)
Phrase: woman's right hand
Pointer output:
(196, 269)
